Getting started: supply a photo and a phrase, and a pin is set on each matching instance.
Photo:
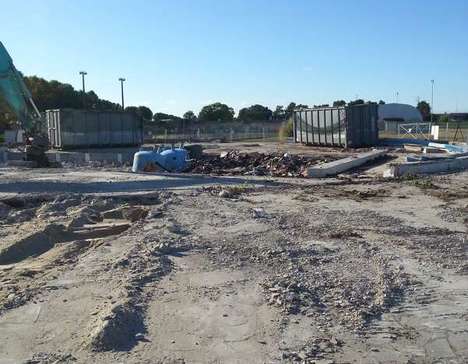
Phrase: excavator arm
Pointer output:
(15, 93)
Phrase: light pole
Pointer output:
(121, 90)
(432, 99)
(83, 74)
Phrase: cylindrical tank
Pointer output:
(171, 160)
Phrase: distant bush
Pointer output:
(287, 130)
(443, 119)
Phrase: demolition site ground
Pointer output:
(101, 265)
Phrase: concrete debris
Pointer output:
(218, 269)
(225, 194)
(439, 165)
(315, 351)
(259, 213)
(51, 358)
(257, 164)
(450, 148)
(140, 336)
(4, 210)
(345, 164)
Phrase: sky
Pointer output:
(180, 55)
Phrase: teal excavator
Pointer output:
(17, 96)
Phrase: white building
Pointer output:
(392, 115)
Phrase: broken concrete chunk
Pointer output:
(341, 165)
(259, 212)
(4, 210)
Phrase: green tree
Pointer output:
(381, 102)
(444, 119)
(356, 102)
(190, 116)
(132, 109)
(425, 110)
(255, 113)
(163, 117)
(290, 108)
(54, 95)
(339, 103)
(279, 113)
(216, 112)
(145, 112)
(141, 111)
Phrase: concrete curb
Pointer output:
(428, 167)
(342, 165)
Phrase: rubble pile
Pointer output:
(256, 164)
(350, 284)
(314, 349)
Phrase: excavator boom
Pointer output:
(14, 91)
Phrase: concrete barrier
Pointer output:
(73, 157)
(428, 167)
(342, 165)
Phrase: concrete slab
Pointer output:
(428, 167)
(342, 165)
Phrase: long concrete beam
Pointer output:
(342, 165)
(428, 167)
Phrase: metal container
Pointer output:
(345, 126)
(68, 128)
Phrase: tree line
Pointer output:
(54, 94)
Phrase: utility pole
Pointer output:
(121, 79)
(396, 97)
(83, 74)
(432, 99)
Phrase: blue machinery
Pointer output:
(17, 96)
(15, 93)
(166, 159)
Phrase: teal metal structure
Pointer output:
(14, 91)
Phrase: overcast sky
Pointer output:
(180, 55)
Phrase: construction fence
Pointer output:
(223, 131)
(451, 131)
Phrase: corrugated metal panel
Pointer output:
(362, 128)
(350, 126)
(320, 126)
(69, 128)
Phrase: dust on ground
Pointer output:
(342, 271)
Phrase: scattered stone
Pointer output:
(4, 210)
(259, 213)
(139, 336)
(225, 194)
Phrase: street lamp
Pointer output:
(432, 99)
(83, 74)
(122, 92)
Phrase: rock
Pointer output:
(225, 194)
(259, 212)
(139, 336)
(4, 210)
(155, 213)
(134, 213)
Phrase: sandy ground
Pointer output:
(110, 267)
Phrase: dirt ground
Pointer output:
(109, 267)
